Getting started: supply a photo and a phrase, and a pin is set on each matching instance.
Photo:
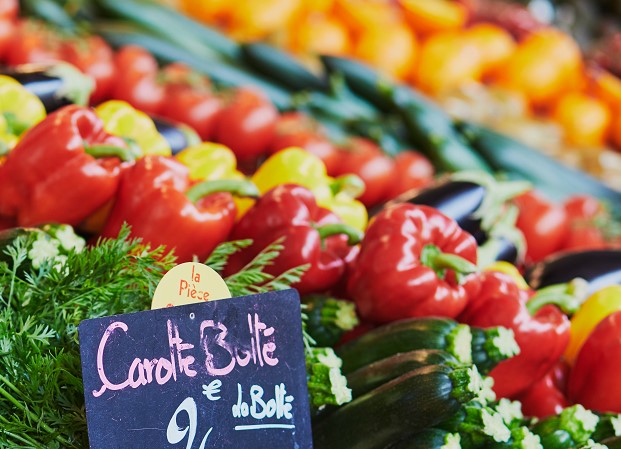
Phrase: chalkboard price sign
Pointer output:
(220, 374)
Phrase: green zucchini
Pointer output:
(402, 407)
(608, 426)
(551, 177)
(170, 24)
(430, 438)
(377, 373)
(572, 428)
(612, 443)
(404, 336)
(120, 34)
(281, 66)
(326, 319)
(491, 346)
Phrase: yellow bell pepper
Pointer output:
(297, 166)
(597, 307)
(122, 120)
(208, 161)
(19, 111)
(508, 268)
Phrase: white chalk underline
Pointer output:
(265, 426)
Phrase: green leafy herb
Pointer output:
(41, 390)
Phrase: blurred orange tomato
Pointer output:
(606, 86)
(391, 50)
(319, 34)
(362, 15)
(615, 130)
(495, 44)
(207, 11)
(545, 65)
(585, 120)
(447, 61)
(432, 16)
(252, 19)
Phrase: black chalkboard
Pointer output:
(219, 374)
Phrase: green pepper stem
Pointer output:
(352, 185)
(237, 187)
(353, 235)
(566, 297)
(99, 151)
(432, 257)
(15, 126)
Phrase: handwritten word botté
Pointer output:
(279, 406)
(180, 359)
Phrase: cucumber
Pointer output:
(430, 438)
(363, 80)
(608, 426)
(119, 34)
(430, 129)
(402, 407)
(172, 25)
(281, 66)
(404, 336)
(519, 161)
(377, 373)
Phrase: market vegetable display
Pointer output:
(459, 288)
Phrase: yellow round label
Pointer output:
(189, 283)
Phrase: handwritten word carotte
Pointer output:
(179, 360)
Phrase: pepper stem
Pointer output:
(237, 187)
(353, 235)
(566, 297)
(351, 185)
(432, 257)
(15, 126)
(99, 151)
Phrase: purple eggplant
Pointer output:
(600, 268)
(56, 85)
(178, 135)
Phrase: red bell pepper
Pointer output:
(594, 379)
(62, 170)
(163, 207)
(541, 329)
(407, 265)
(312, 235)
(546, 397)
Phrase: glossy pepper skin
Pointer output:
(594, 378)
(157, 199)
(19, 111)
(297, 166)
(591, 312)
(312, 235)
(121, 119)
(400, 272)
(546, 397)
(541, 333)
(54, 174)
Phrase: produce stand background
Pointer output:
(438, 179)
